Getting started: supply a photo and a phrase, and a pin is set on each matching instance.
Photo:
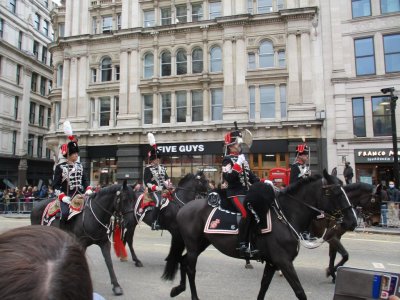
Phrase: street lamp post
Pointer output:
(393, 100)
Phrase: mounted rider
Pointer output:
(155, 179)
(301, 167)
(69, 179)
(237, 174)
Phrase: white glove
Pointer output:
(66, 199)
(241, 159)
(88, 192)
(266, 181)
(159, 188)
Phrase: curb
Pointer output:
(389, 231)
(16, 216)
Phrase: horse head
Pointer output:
(336, 202)
(190, 186)
(201, 183)
(123, 203)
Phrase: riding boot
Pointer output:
(63, 223)
(244, 227)
(154, 222)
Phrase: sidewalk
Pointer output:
(16, 216)
(378, 230)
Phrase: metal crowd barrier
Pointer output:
(18, 205)
(390, 214)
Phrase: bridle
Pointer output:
(197, 178)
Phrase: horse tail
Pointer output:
(174, 257)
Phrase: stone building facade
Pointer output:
(186, 70)
(25, 82)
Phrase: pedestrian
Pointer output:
(300, 168)
(40, 262)
(348, 173)
(393, 192)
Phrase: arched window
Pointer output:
(266, 55)
(148, 65)
(166, 63)
(106, 69)
(59, 75)
(197, 60)
(181, 62)
(282, 58)
(215, 59)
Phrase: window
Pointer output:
(215, 9)
(148, 109)
(36, 49)
(166, 16)
(181, 62)
(57, 114)
(61, 29)
(34, 82)
(94, 25)
(181, 106)
(12, 6)
(364, 54)
(31, 139)
(59, 75)
(106, 69)
(267, 101)
(358, 117)
(39, 149)
(49, 86)
(37, 21)
(197, 60)
(282, 58)
(391, 44)
(165, 108)
(48, 153)
(48, 117)
(105, 111)
(149, 18)
(14, 143)
(251, 61)
(116, 107)
(282, 90)
(197, 106)
(1, 27)
(46, 27)
(148, 65)
(381, 116)
(166, 63)
(388, 6)
(32, 110)
(41, 115)
(215, 59)
(51, 59)
(266, 55)
(20, 37)
(119, 22)
(216, 104)
(360, 8)
(43, 86)
(117, 72)
(44, 54)
(46, 3)
(107, 24)
(252, 102)
(16, 107)
(94, 75)
(181, 13)
(250, 6)
(18, 75)
(264, 6)
(197, 12)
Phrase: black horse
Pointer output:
(298, 205)
(361, 195)
(188, 188)
(92, 225)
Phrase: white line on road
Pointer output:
(368, 240)
(378, 265)
(395, 265)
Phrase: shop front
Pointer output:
(374, 166)
(102, 161)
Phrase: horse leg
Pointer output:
(345, 257)
(129, 241)
(182, 284)
(105, 250)
(191, 261)
(291, 276)
(248, 264)
(268, 274)
(332, 256)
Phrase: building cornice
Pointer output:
(366, 78)
(373, 141)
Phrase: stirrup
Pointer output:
(155, 226)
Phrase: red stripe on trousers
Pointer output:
(239, 205)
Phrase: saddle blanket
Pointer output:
(53, 209)
(145, 204)
(225, 222)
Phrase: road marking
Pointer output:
(395, 265)
(378, 265)
(368, 240)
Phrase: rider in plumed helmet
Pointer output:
(237, 174)
(300, 168)
(69, 178)
(155, 179)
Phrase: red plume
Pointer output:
(119, 246)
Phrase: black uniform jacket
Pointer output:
(77, 179)
(155, 175)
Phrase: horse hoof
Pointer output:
(327, 272)
(118, 291)
(177, 290)
(139, 264)
(333, 280)
(248, 266)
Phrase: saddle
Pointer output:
(145, 204)
(53, 209)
